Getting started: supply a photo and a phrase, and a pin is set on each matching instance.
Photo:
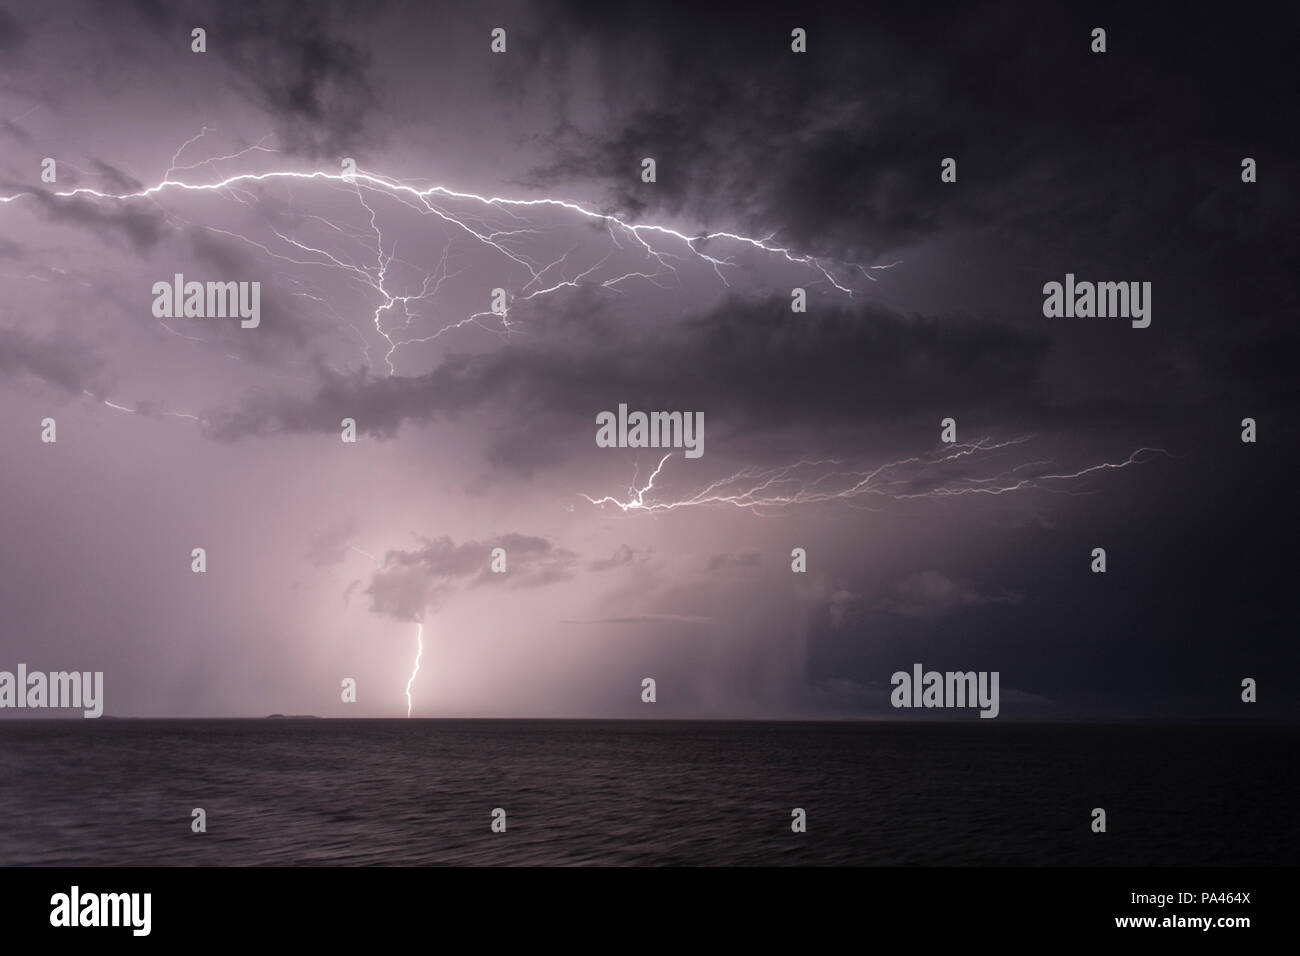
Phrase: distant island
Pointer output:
(291, 717)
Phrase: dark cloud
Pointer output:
(516, 450)
(12, 33)
(844, 366)
(141, 223)
(836, 149)
(411, 581)
(68, 366)
(283, 330)
(839, 148)
(624, 556)
(1117, 167)
(837, 152)
(299, 64)
(932, 593)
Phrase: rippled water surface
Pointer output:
(705, 793)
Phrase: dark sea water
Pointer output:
(702, 793)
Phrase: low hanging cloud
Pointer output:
(850, 364)
(623, 556)
(411, 581)
(930, 594)
(69, 367)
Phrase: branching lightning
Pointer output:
(502, 226)
(405, 299)
(940, 474)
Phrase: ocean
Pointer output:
(700, 793)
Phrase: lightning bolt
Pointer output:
(766, 491)
(419, 651)
(368, 259)
(419, 633)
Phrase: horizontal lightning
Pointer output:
(765, 491)
(497, 224)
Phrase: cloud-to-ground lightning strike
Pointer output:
(766, 491)
(419, 652)
(419, 633)
(365, 255)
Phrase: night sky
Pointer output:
(775, 170)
